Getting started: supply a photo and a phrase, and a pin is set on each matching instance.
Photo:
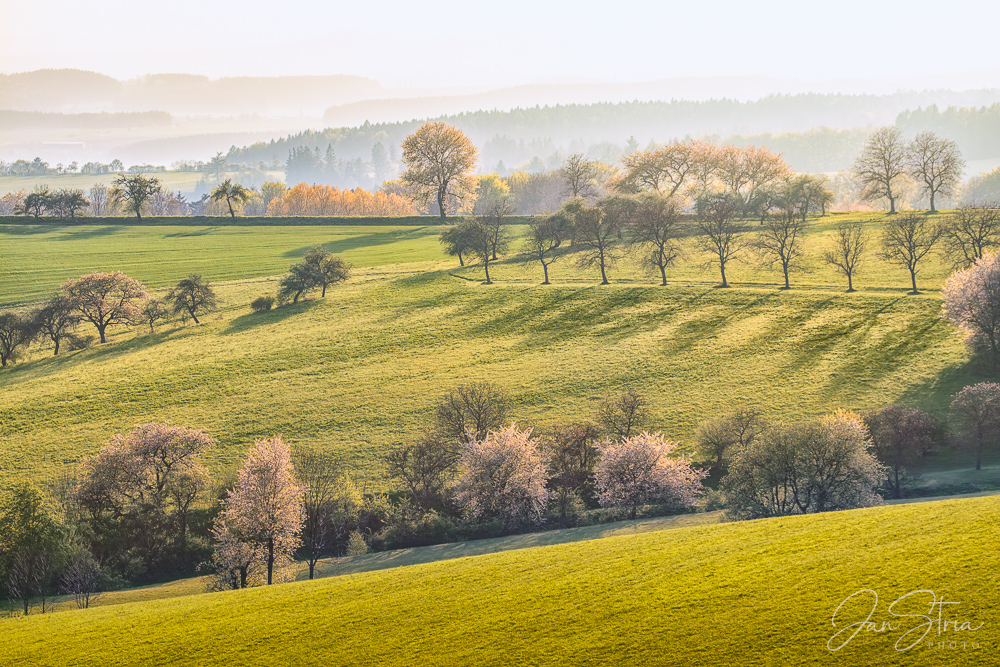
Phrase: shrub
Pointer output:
(262, 303)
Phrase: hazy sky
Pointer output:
(420, 44)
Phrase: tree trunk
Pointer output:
(56, 341)
(933, 210)
(892, 203)
(191, 310)
(979, 452)
(545, 269)
(913, 279)
(461, 262)
(850, 286)
(663, 275)
(323, 295)
(229, 203)
(486, 265)
(312, 569)
(722, 269)
(100, 330)
(440, 198)
(784, 267)
(270, 558)
(604, 276)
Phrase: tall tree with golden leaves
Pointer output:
(439, 163)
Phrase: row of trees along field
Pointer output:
(439, 178)
(144, 506)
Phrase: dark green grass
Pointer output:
(750, 593)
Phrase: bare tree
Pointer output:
(598, 238)
(849, 246)
(542, 241)
(133, 192)
(900, 435)
(881, 164)
(720, 233)
(907, 240)
(664, 170)
(424, 467)
(779, 240)
(572, 456)
(970, 231)
(82, 577)
(579, 175)
(192, 295)
(624, 415)
(936, 163)
(470, 410)
(99, 199)
(975, 416)
(330, 503)
(655, 226)
(55, 319)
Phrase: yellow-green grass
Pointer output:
(361, 369)
(750, 593)
(383, 560)
(37, 259)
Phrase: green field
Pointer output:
(749, 593)
(360, 370)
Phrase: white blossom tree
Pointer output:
(642, 469)
(972, 303)
(502, 478)
(262, 516)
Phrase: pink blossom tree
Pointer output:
(502, 478)
(263, 515)
(972, 303)
(106, 299)
(642, 469)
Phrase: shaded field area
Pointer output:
(751, 593)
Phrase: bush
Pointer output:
(262, 303)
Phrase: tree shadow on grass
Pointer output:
(368, 240)
(80, 233)
(29, 229)
(273, 316)
(204, 231)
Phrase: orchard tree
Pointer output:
(850, 242)
(459, 240)
(15, 333)
(544, 237)
(330, 504)
(747, 172)
(972, 303)
(720, 436)
(501, 478)
(425, 467)
(152, 312)
(572, 456)
(623, 415)
(664, 170)
(972, 230)
(720, 233)
(655, 228)
(936, 164)
(439, 163)
(469, 411)
(805, 467)
(327, 269)
(265, 509)
(579, 176)
(133, 192)
(136, 493)
(231, 192)
(881, 165)
(106, 299)
(30, 544)
(299, 279)
(598, 238)
(907, 240)
(975, 417)
(642, 469)
(900, 436)
(779, 240)
(54, 319)
(190, 296)
(489, 234)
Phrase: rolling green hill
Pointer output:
(360, 370)
(750, 593)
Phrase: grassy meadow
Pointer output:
(360, 370)
(679, 596)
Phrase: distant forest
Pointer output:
(538, 139)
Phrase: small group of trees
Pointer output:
(318, 269)
(63, 203)
(104, 300)
(934, 163)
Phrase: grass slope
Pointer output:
(751, 593)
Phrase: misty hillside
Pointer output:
(75, 91)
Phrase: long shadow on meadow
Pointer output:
(369, 240)
(273, 316)
(203, 231)
(90, 232)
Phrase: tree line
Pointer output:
(145, 506)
